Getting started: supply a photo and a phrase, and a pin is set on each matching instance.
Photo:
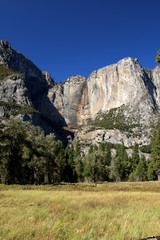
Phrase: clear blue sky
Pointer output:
(67, 37)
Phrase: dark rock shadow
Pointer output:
(150, 85)
(49, 119)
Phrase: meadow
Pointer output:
(118, 211)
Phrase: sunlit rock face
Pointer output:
(126, 86)
(126, 83)
(77, 102)
(71, 100)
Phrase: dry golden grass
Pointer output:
(80, 211)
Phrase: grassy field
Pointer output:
(109, 211)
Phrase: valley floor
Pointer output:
(80, 211)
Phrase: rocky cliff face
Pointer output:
(126, 87)
(12, 59)
(124, 83)
(28, 85)
(71, 100)
(13, 89)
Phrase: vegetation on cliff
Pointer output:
(5, 72)
(15, 109)
(113, 119)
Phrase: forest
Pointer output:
(30, 157)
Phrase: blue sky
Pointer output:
(68, 37)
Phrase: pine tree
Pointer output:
(90, 149)
(77, 151)
(95, 166)
(69, 171)
(141, 170)
(102, 146)
(49, 154)
(121, 163)
(158, 57)
(106, 148)
(60, 162)
(36, 160)
(78, 167)
(135, 156)
(154, 164)
(12, 143)
(27, 156)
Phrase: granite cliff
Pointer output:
(28, 85)
(118, 103)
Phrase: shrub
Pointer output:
(16, 108)
(5, 72)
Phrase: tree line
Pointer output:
(27, 156)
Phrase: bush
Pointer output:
(5, 72)
(16, 108)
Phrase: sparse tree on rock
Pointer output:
(158, 57)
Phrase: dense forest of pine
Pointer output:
(30, 157)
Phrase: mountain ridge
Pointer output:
(132, 91)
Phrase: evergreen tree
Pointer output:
(108, 156)
(158, 57)
(77, 151)
(95, 148)
(135, 156)
(102, 146)
(35, 157)
(91, 149)
(78, 168)
(60, 162)
(141, 170)
(27, 156)
(106, 148)
(154, 164)
(69, 171)
(87, 172)
(95, 167)
(11, 144)
(122, 164)
(112, 177)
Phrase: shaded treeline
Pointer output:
(27, 156)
